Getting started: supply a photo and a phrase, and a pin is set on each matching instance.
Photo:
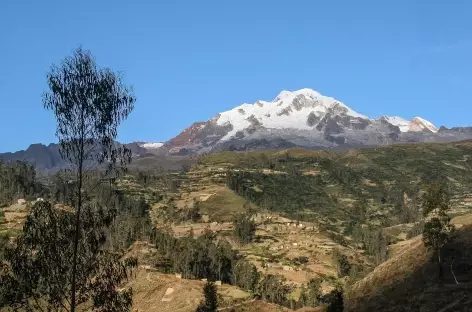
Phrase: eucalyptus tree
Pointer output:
(89, 103)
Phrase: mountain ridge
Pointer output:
(302, 118)
(308, 119)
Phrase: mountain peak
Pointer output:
(420, 124)
(289, 110)
(151, 145)
(401, 123)
(284, 94)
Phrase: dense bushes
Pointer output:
(18, 180)
(203, 257)
(244, 228)
(212, 258)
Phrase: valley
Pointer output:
(231, 156)
(307, 206)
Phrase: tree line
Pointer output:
(18, 180)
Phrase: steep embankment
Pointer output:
(409, 280)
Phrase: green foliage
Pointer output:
(376, 244)
(436, 232)
(341, 262)
(273, 288)
(89, 103)
(4, 241)
(208, 257)
(132, 222)
(245, 275)
(335, 300)
(38, 265)
(193, 213)
(17, 180)
(318, 185)
(311, 294)
(244, 228)
(437, 227)
(203, 257)
(281, 192)
(436, 197)
(408, 212)
(211, 298)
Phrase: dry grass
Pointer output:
(14, 217)
(223, 205)
(258, 306)
(154, 291)
(407, 258)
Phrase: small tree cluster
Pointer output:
(311, 294)
(244, 228)
(341, 262)
(203, 257)
(40, 263)
(273, 288)
(373, 241)
(437, 228)
(17, 180)
(245, 275)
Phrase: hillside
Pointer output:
(310, 203)
(330, 185)
(311, 208)
(409, 281)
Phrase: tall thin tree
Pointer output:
(89, 103)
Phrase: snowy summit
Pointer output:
(290, 110)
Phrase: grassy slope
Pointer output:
(331, 182)
(409, 281)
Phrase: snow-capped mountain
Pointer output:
(304, 118)
(289, 110)
(150, 145)
(420, 124)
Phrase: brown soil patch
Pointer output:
(462, 220)
(150, 288)
(258, 306)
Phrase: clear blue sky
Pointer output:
(189, 60)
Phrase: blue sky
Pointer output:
(189, 60)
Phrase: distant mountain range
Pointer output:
(48, 158)
(302, 118)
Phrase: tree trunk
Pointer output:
(452, 271)
(439, 263)
(76, 245)
(77, 225)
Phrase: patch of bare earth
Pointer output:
(15, 216)
(153, 291)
